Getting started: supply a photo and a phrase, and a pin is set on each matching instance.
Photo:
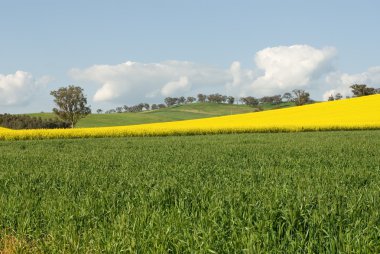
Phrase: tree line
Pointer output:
(18, 122)
(299, 97)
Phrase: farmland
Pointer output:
(310, 192)
(350, 114)
(173, 113)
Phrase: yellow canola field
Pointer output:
(348, 114)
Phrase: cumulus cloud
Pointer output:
(172, 88)
(277, 70)
(132, 81)
(286, 68)
(19, 88)
(241, 79)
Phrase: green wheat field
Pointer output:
(243, 193)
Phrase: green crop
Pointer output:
(243, 193)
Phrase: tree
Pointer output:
(331, 98)
(287, 96)
(99, 111)
(110, 111)
(119, 109)
(170, 101)
(275, 99)
(154, 106)
(338, 96)
(126, 108)
(301, 97)
(230, 100)
(250, 101)
(146, 106)
(190, 99)
(71, 104)
(181, 100)
(362, 90)
(216, 98)
(202, 97)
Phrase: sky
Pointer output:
(124, 52)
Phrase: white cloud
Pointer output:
(278, 70)
(175, 87)
(19, 88)
(287, 68)
(131, 82)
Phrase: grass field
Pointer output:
(244, 193)
(175, 113)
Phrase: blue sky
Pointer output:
(183, 47)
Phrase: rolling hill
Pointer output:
(175, 113)
(349, 114)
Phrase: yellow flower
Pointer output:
(349, 114)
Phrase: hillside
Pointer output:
(175, 113)
(350, 114)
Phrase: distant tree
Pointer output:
(119, 109)
(71, 104)
(28, 122)
(126, 108)
(275, 99)
(287, 96)
(301, 97)
(110, 111)
(338, 96)
(230, 100)
(170, 101)
(202, 97)
(146, 106)
(99, 111)
(216, 98)
(331, 98)
(362, 90)
(161, 105)
(224, 99)
(140, 107)
(190, 99)
(377, 90)
(154, 106)
(250, 101)
(181, 100)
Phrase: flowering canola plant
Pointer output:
(349, 114)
